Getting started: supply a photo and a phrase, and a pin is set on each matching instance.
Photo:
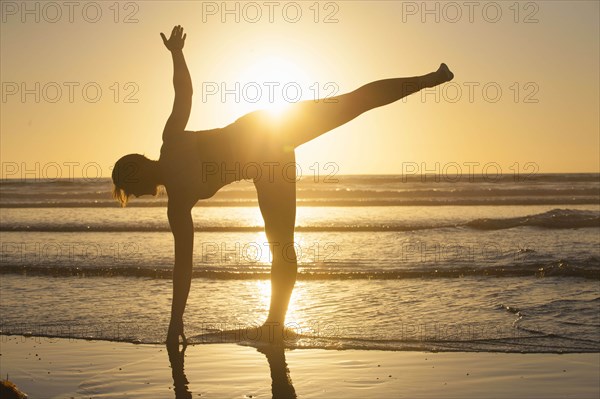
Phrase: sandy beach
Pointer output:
(65, 368)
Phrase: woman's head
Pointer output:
(134, 174)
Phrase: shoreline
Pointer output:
(233, 337)
(63, 367)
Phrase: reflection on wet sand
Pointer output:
(281, 382)
(180, 381)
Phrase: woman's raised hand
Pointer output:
(177, 39)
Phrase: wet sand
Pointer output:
(65, 368)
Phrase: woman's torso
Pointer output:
(194, 163)
(197, 164)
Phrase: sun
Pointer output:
(272, 83)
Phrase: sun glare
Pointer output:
(272, 83)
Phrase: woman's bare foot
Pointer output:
(444, 73)
(270, 333)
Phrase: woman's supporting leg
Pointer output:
(277, 201)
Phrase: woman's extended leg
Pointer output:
(306, 120)
(316, 118)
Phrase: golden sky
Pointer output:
(86, 82)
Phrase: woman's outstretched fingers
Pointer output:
(176, 40)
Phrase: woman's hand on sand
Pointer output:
(176, 331)
(177, 39)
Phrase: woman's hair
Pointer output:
(127, 172)
(120, 195)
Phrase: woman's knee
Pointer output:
(284, 251)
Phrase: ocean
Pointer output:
(434, 263)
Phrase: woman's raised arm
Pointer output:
(182, 82)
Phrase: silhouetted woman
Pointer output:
(258, 146)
